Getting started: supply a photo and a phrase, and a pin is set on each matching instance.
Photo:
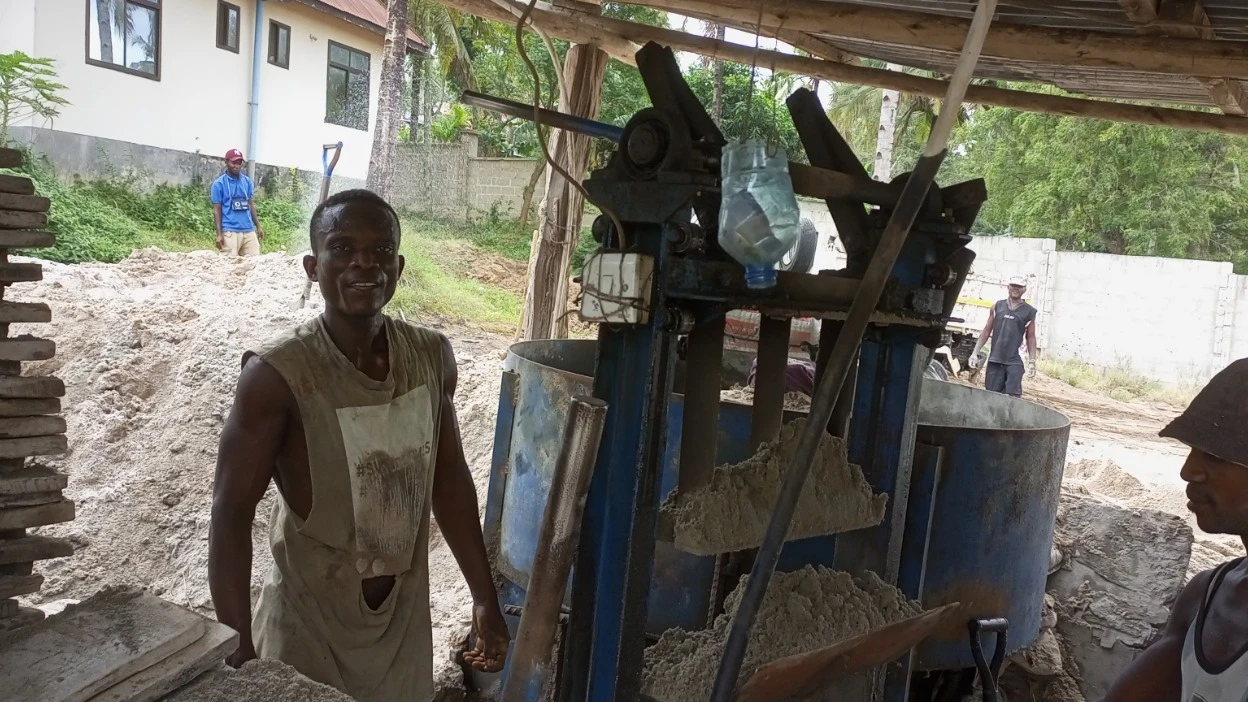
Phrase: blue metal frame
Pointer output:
(634, 373)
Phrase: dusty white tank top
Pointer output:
(371, 448)
(1202, 682)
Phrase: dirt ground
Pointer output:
(150, 348)
(1125, 434)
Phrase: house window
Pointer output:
(228, 20)
(279, 44)
(346, 89)
(124, 35)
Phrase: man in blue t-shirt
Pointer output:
(1011, 323)
(234, 209)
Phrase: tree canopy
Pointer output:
(1091, 185)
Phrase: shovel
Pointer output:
(805, 675)
(328, 165)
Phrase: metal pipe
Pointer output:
(253, 126)
(848, 341)
(530, 664)
(550, 118)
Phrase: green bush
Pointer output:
(106, 220)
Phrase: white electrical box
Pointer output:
(616, 288)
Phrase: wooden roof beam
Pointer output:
(1187, 18)
(1061, 47)
(615, 36)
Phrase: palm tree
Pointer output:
(438, 25)
(857, 111)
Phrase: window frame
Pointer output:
(330, 64)
(226, 8)
(275, 26)
(154, 6)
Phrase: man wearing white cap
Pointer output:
(1202, 654)
(1010, 322)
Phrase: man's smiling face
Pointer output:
(356, 258)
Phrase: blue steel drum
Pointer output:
(992, 523)
(994, 512)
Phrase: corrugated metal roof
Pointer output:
(370, 13)
(1228, 19)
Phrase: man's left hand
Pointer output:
(259, 234)
(1031, 370)
(490, 651)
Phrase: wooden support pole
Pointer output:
(584, 27)
(560, 225)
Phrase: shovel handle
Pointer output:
(328, 163)
(988, 672)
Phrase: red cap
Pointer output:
(233, 155)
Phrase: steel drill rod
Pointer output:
(530, 663)
(878, 272)
(550, 118)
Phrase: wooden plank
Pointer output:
(178, 670)
(10, 158)
(30, 499)
(26, 348)
(25, 617)
(20, 272)
(34, 446)
(42, 515)
(20, 427)
(588, 29)
(29, 407)
(18, 585)
(24, 312)
(95, 645)
(26, 239)
(1061, 47)
(16, 185)
(32, 387)
(24, 203)
(33, 548)
(12, 219)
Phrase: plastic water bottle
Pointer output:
(759, 220)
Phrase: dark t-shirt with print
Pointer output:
(1009, 328)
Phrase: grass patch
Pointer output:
(491, 232)
(1117, 383)
(431, 286)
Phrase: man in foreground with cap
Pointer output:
(1202, 656)
(234, 209)
(1010, 321)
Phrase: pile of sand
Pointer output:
(150, 350)
(803, 611)
(731, 513)
(793, 401)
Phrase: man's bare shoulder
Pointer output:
(261, 387)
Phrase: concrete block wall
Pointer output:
(433, 178)
(1156, 316)
(500, 183)
(1239, 317)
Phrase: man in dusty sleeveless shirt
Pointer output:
(1202, 655)
(352, 416)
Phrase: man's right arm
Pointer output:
(216, 195)
(249, 446)
(983, 336)
(1157, 673)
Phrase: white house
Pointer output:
(167, 79)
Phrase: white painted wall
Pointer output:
(1239, 329)
(17, 26)
(200, 103)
